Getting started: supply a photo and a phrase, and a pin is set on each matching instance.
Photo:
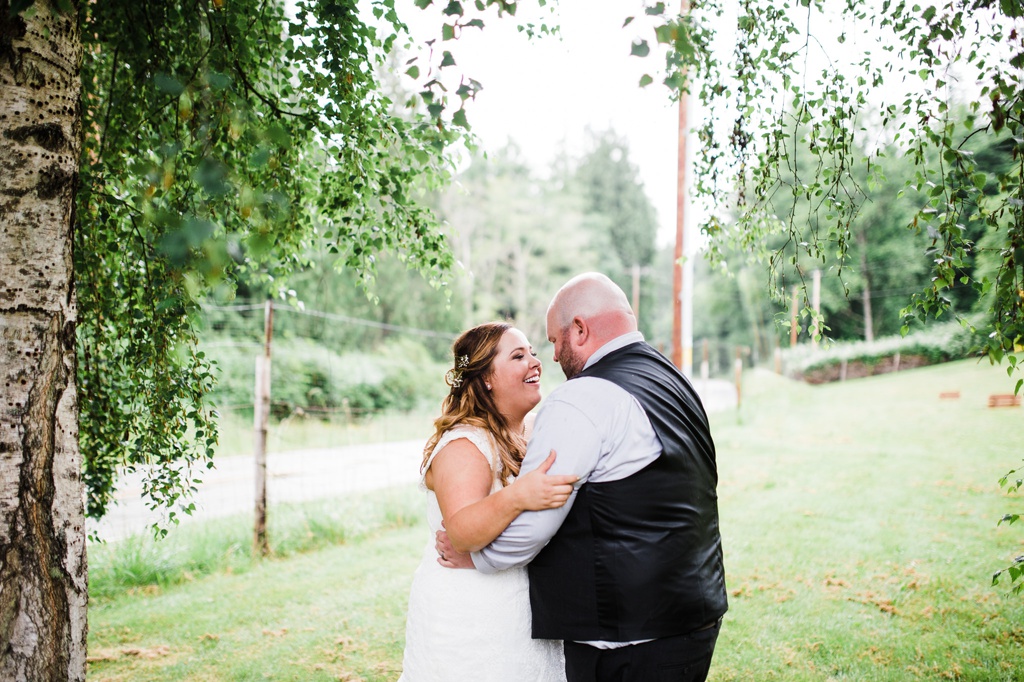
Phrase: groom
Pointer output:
(628, 573)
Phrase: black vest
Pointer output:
(641, 557)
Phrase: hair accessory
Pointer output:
(453, 377)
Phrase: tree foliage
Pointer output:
(222, 140)
(616, 205)
(942, 81)
(788, 83)
(516, 237)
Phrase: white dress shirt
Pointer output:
(599, 432)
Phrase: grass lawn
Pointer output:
(859, 522)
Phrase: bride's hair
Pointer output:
(469, 401)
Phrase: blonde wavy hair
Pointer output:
(469, 401)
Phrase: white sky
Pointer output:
(544, 93)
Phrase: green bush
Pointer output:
(934, 344)
(310, 378)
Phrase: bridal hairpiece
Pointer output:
(453, 377)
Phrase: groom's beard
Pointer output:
(570, 359)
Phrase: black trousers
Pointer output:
(684, 658)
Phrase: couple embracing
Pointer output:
(587, 550)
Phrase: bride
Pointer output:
(463, 625)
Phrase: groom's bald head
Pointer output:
(587, 312)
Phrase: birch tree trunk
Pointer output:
(42, 531)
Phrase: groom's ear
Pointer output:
(580, 331)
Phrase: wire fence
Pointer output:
(292, 477)
(317, 451)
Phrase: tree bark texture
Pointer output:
(43, 593)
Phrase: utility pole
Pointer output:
(682, 322)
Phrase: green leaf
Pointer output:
(645, 80)
(259, 157)
(675, 81)
(277, 134)
(447, 32)
(211, 175)
(447, 59)
(656, 9)
(666, 33)
(454, 8)
(167, 84)
(628, 21)
(1012, 8)
(640, 49)
(413, 71)
(218, 81)
(459, 119)
(19, 6)
(423, 4)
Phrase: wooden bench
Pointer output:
(1004, 400)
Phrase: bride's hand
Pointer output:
(447, 555)
(537, 490)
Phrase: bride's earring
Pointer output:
(488, 386)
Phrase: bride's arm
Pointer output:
(460, 476)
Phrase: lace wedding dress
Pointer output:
(465, 626)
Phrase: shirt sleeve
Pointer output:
(578, 444)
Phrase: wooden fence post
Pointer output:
(261, 416)
(739, 374)
(794, 325)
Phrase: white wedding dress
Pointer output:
(466, 626)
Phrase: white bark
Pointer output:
(43, 592)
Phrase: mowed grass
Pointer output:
(859, 523)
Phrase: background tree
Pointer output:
(791, 78)
(865, 282)
(517, 238)
(617, 210)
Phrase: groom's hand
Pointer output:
(446, 554)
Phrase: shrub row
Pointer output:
(848, 359)
(307, 377)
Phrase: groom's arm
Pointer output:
(563, 427)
